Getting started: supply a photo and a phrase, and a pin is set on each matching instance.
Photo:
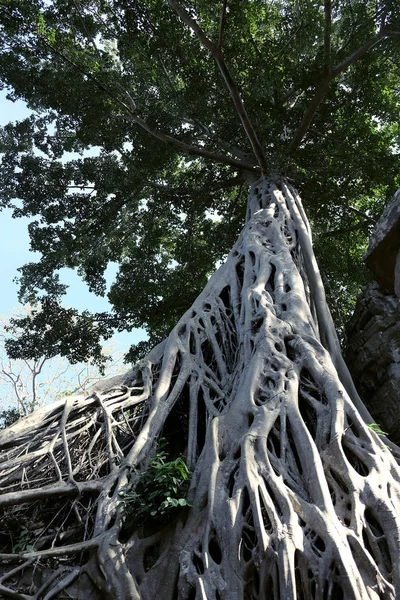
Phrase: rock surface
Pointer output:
(383, 253)
(373, 356)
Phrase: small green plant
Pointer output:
(377, 429)
(23, 544)
(160, 490)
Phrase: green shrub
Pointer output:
(159, 492)
(24, 542)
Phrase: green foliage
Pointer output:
(139, 203)
(23, 543)
(376, 428)
(71, 334)
(8, 417)
(160, 490)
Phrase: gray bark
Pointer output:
(292, 495)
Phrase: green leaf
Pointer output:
(145, 207)
(376, 428)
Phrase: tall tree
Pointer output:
(291, 494)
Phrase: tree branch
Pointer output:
(87, 32)
(324, 86)
(208, 133)
(193, 25)
(192, 150)
(61, 550)
(229, 82)
(131, 116)
(309, 114)
(362, 214)
(14, 382)
(327, 35)
(385, 32)
(47, 491)
(222, 23)
(80, 187)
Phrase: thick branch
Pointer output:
(185, 148)
(310, 113)
(326, 82)
(229, 82)
(192, 150)
(62, 550)
(58, 490)
(362, 50)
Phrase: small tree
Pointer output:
(27, 384)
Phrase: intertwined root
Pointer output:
(292, 495)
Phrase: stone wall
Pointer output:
(373, 356)
(373, 353)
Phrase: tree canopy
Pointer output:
(173, 101)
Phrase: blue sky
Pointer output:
(15, 252)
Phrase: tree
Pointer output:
(291, 494)
(19, 382)
(26, 385)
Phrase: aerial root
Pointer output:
(291, 494)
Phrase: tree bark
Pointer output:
(292, 495)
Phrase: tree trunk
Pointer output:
(292, 495)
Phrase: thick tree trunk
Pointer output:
(292, 495)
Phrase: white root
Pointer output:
(292, 495)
